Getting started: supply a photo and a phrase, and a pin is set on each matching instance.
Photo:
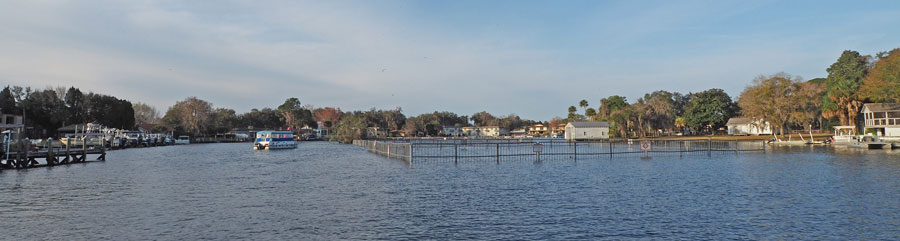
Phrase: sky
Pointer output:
(530, 58)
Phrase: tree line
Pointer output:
(784, 101)
(46, 110)
(659, 112)
(361, 124)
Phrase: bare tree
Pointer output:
(145, 114)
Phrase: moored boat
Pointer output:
(183, 140)
(844, 135)
(267, 140)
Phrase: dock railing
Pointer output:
(551, 149)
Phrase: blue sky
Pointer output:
(533, 59)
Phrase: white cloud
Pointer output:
(357, 55)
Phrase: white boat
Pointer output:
(268, 140)
(183, 140)
(844, 135)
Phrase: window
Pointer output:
(879, 114)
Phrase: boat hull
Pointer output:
(274, 145)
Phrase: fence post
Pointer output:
(576, 151)
(735, 146)
(498, 153)
(764, 146)
(708, 146)
(389, 150)
(609, 142)
(410, 150)
(455, 152)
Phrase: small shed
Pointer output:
(740, 126)
(587, 130)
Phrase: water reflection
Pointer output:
(331, 191)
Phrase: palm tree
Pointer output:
(590, 113)
(583, 104)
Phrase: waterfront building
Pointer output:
(451, 131)
(587, 130)
(322, 130)
(11, 122)
(741, 126)
(375, 132)
(518, 132)
(883, 119)
(538, 130)
(484, 131)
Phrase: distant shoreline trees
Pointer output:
(781, 99)
(49, 109)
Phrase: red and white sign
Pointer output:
(537, 148)
(646, 146)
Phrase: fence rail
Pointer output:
(550, 149)
(395, 150)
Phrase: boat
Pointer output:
(844, 135)
(267, 140)
(183, 140)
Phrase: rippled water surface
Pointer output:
(331, 191)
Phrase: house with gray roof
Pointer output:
(587, 130)
(881, 118)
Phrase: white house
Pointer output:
(587, 130)
(487, 131)
(740, 126)
(882, 118)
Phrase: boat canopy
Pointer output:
(275, 134)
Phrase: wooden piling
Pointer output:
(51, 157)
(68, 151)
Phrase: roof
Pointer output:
(882, 107)
(589, 124)
(274, 132)
(739, 121)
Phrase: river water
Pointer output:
(327, 191)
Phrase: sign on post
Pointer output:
(537, 148)
(646, 146)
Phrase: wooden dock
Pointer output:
(24, 155)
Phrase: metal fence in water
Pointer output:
(550, 149)
(397, 150)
